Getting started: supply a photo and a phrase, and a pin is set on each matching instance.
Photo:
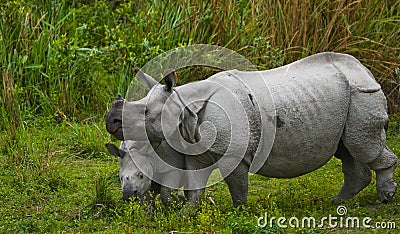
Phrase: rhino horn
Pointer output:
(118, 101)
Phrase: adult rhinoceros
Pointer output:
(323, 105)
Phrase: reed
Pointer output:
(67, 59)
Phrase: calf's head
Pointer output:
(132, 172)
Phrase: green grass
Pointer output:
(58, 177)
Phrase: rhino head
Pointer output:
(134, 171)
(140, 120)
(165, 113)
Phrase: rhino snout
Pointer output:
(113, 118)
(113, 125)
(126, 195)
(115, 129)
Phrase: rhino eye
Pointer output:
(140, 175)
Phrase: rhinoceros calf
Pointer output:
(293, 118)
(143, 175)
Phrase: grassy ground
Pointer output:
(58, 178)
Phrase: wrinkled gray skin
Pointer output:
(138, 166)
(326, 104)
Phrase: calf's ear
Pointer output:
(114, 150)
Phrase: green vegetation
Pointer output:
(57, 177)
(63, 61)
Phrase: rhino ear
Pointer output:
(186, 103)
(114, 150)
(145, 79)
(190, 120)
(170, 79)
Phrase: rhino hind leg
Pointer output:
(384, 167)
(364, 137)
(384, 164)
(356, 175)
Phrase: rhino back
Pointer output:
(310, 100)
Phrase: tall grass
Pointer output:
(367, 29)
(66, 59)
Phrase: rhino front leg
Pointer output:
(356, 175)
(168, 190)
(148, 199)
(237, 181)
(169, 195)
(195, 184)
(384, 167)
(196, 180)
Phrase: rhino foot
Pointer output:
(336, 200)
(339, 198)
(189, 210)
(385, 185)
(386, 190)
